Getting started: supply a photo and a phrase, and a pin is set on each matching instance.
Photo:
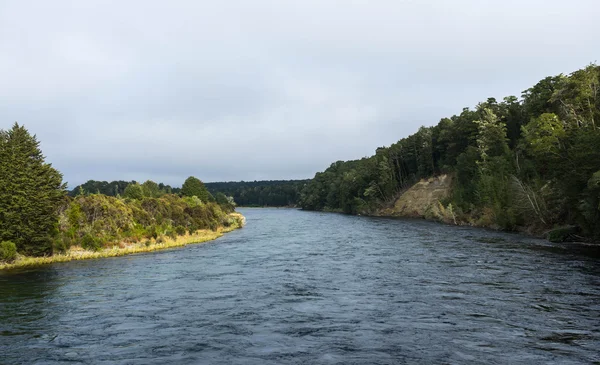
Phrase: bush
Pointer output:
(91, 243)
(62, 244)
(194, 227)
(562, 234)
(111, 220)
(8, 251)
(171, 233)
(180, 230)
(153, 231)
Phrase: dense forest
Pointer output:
(114, 188)
(531, 162)
(271, 193)
(38, 218)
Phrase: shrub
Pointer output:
(171, 233)
(154, 232)
(180, 230)
(194, 227)
(562, 234)
(109, 220)
(62, 243)
(8, 251)
(90, 242)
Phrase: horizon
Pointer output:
(253, 92)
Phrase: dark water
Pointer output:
(313, 288)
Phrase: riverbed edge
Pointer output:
(77, 253)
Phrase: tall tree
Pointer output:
(30, 192)
(194, 187)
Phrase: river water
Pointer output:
(296, 287)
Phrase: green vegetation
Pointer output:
(98, 221)
(522, 163)
(30, 193)
(274, 193)
(38, 219)
(77, 253)
(8, 251)
(115, 188)
(194, 187)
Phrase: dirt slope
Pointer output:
(422, 199)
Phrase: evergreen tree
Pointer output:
(30, 192)
(134, 191)
(194, 187)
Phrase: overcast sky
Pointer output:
(245, 90)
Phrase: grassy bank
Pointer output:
(123, 248)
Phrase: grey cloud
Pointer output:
(240, 90)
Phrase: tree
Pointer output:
(134, 191)
(151, 189)
(544, 136)
(579, 97)
(491, 139)
(30, 193)
(194, 187)
(225, 202)
(531, 161)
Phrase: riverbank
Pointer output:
(160, 243)
(425, 200)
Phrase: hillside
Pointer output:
(530, 163)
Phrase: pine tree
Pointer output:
(30, 192)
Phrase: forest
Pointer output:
(268, 193)
(39, 218)
(271, 193)
(530, 162)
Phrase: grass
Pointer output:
(78, 253)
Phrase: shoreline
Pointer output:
(77, 253)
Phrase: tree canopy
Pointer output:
(195, 187)
(531, 161)
(30, 193)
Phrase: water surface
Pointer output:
(313, 288)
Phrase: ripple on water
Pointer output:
(302, 288)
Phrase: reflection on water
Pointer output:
(302, 287)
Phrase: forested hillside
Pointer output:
(531, 162)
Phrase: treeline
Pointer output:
(113, 188)
(150, 189)
(38, 218)
(272, 193)
(532, 161)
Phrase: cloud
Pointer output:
(238, 90)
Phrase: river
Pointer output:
(296, 287)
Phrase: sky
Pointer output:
(257, 90)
